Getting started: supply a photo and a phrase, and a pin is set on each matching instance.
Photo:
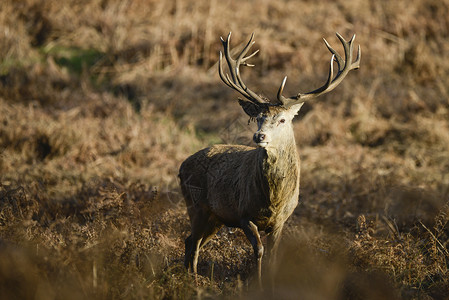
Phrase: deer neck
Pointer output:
(281, 170)
(282, 158)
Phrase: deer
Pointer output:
(252, 188)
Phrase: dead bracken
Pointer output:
(101, 101)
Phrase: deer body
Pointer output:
(255, 189)
(232, 183)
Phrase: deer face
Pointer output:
(274, 123)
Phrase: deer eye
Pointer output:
(282, 121)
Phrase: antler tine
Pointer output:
(356, 63)
(340, 60)
(234, 80)
(344, 66)
(281, 89)
(225, 77)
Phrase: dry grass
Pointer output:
(100, 101)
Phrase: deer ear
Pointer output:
(295, 108)
(251, 109)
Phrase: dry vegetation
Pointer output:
(100, 101)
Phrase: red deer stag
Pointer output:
(251, 188)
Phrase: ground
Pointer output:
(101, 101)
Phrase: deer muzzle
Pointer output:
(260, 139)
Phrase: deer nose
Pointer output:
(258, 137)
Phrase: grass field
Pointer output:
(101, 101)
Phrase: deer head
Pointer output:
(274, 120)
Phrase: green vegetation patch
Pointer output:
(75, 59)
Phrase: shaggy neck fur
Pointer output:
(281, 169)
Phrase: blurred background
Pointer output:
(100, 102)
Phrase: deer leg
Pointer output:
(273, 239)
(191, 253)
(211, 229)
(273, 244)
(196, 252)
(199, 222)
(206, 230)
(252, 233)
(188, 252)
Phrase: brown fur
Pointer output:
(246, 187)
(232, 182)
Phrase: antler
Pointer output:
(344, 66)
(235, 81)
